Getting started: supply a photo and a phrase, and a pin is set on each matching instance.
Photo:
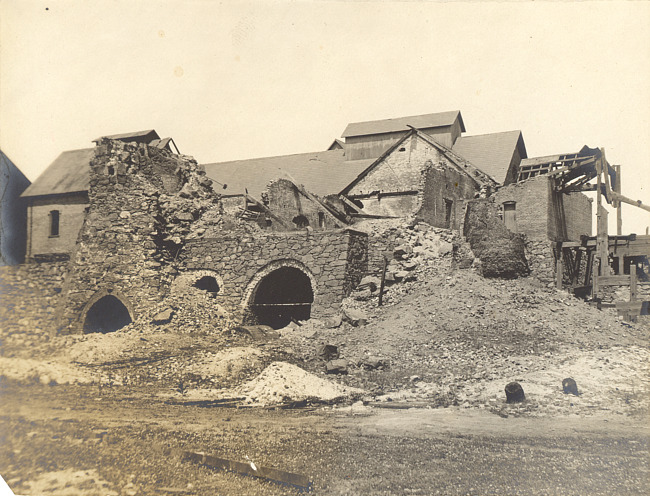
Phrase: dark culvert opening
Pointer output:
(106, 315)
(207, 283)
(283, 296)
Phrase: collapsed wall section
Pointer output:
(332, 261)
(142, 203)
(502, 252)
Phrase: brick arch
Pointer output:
(101, 294)
(251, 287)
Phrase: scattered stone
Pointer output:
(339, 366)
(355, 317)
(328, 352)
(514, 393)
(373, 362)
(402, 250)
(164, 317)
(260, 333)
(370, 282)
(333, 322)
(405, 276)
(409, 265)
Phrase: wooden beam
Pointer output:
(333, 213)
(617, 189)
(614, 281)
(632, 282)
(250, 469)
(559, 272)
(267, 211)
(349, 203)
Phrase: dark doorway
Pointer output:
(510, 215)
(448, 211)
(283, 296)
(107, 315)
(207, 283)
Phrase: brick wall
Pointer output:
(335, 261)
(531, 207)
(578, 214)
(71, 209)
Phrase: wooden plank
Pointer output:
(559, 270)
(383, 282)
(617, 189)
(349, 203)
(279, 476)
(632, 282)
(614, 280)
(266, 210)
(628, 306)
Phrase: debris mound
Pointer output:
(282, 382)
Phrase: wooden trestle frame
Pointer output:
(586, 264)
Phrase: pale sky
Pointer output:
(233, 80)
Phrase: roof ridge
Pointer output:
(490, 134)
(273, 156)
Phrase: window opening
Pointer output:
(321, 220)
(54, 222)
(209, 284)
(106, 315)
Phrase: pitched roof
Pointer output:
(425, 121)
(492, 153)
(321, 173)
(69, 173)
(149, 134)
(461, 163)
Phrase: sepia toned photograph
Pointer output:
(324, 247)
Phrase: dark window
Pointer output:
(402, 149)
(54, 222)
(321, 220)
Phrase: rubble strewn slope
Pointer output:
(444, 336)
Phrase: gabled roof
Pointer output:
(461, 163)
(337, 144)
(492, 153)
(321, 173)
(440, 119)
(140, 136)
(69, 173)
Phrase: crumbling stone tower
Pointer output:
(142, 202)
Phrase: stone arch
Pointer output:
(281, 291)
(107, 311)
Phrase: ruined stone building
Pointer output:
(131, 224)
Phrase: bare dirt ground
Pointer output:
(111, 414)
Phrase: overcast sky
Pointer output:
(230, 80)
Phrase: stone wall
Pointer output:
(30, 295)
(416, 179)
(442, 185)
(335, 262)
(288, 204)
(71, 208)
(143, 201)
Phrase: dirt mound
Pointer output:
(282, 382)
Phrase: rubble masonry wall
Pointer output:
(30, 294)
(335, 260)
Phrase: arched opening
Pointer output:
(282, 296)
(107, 314)
(301, 221)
